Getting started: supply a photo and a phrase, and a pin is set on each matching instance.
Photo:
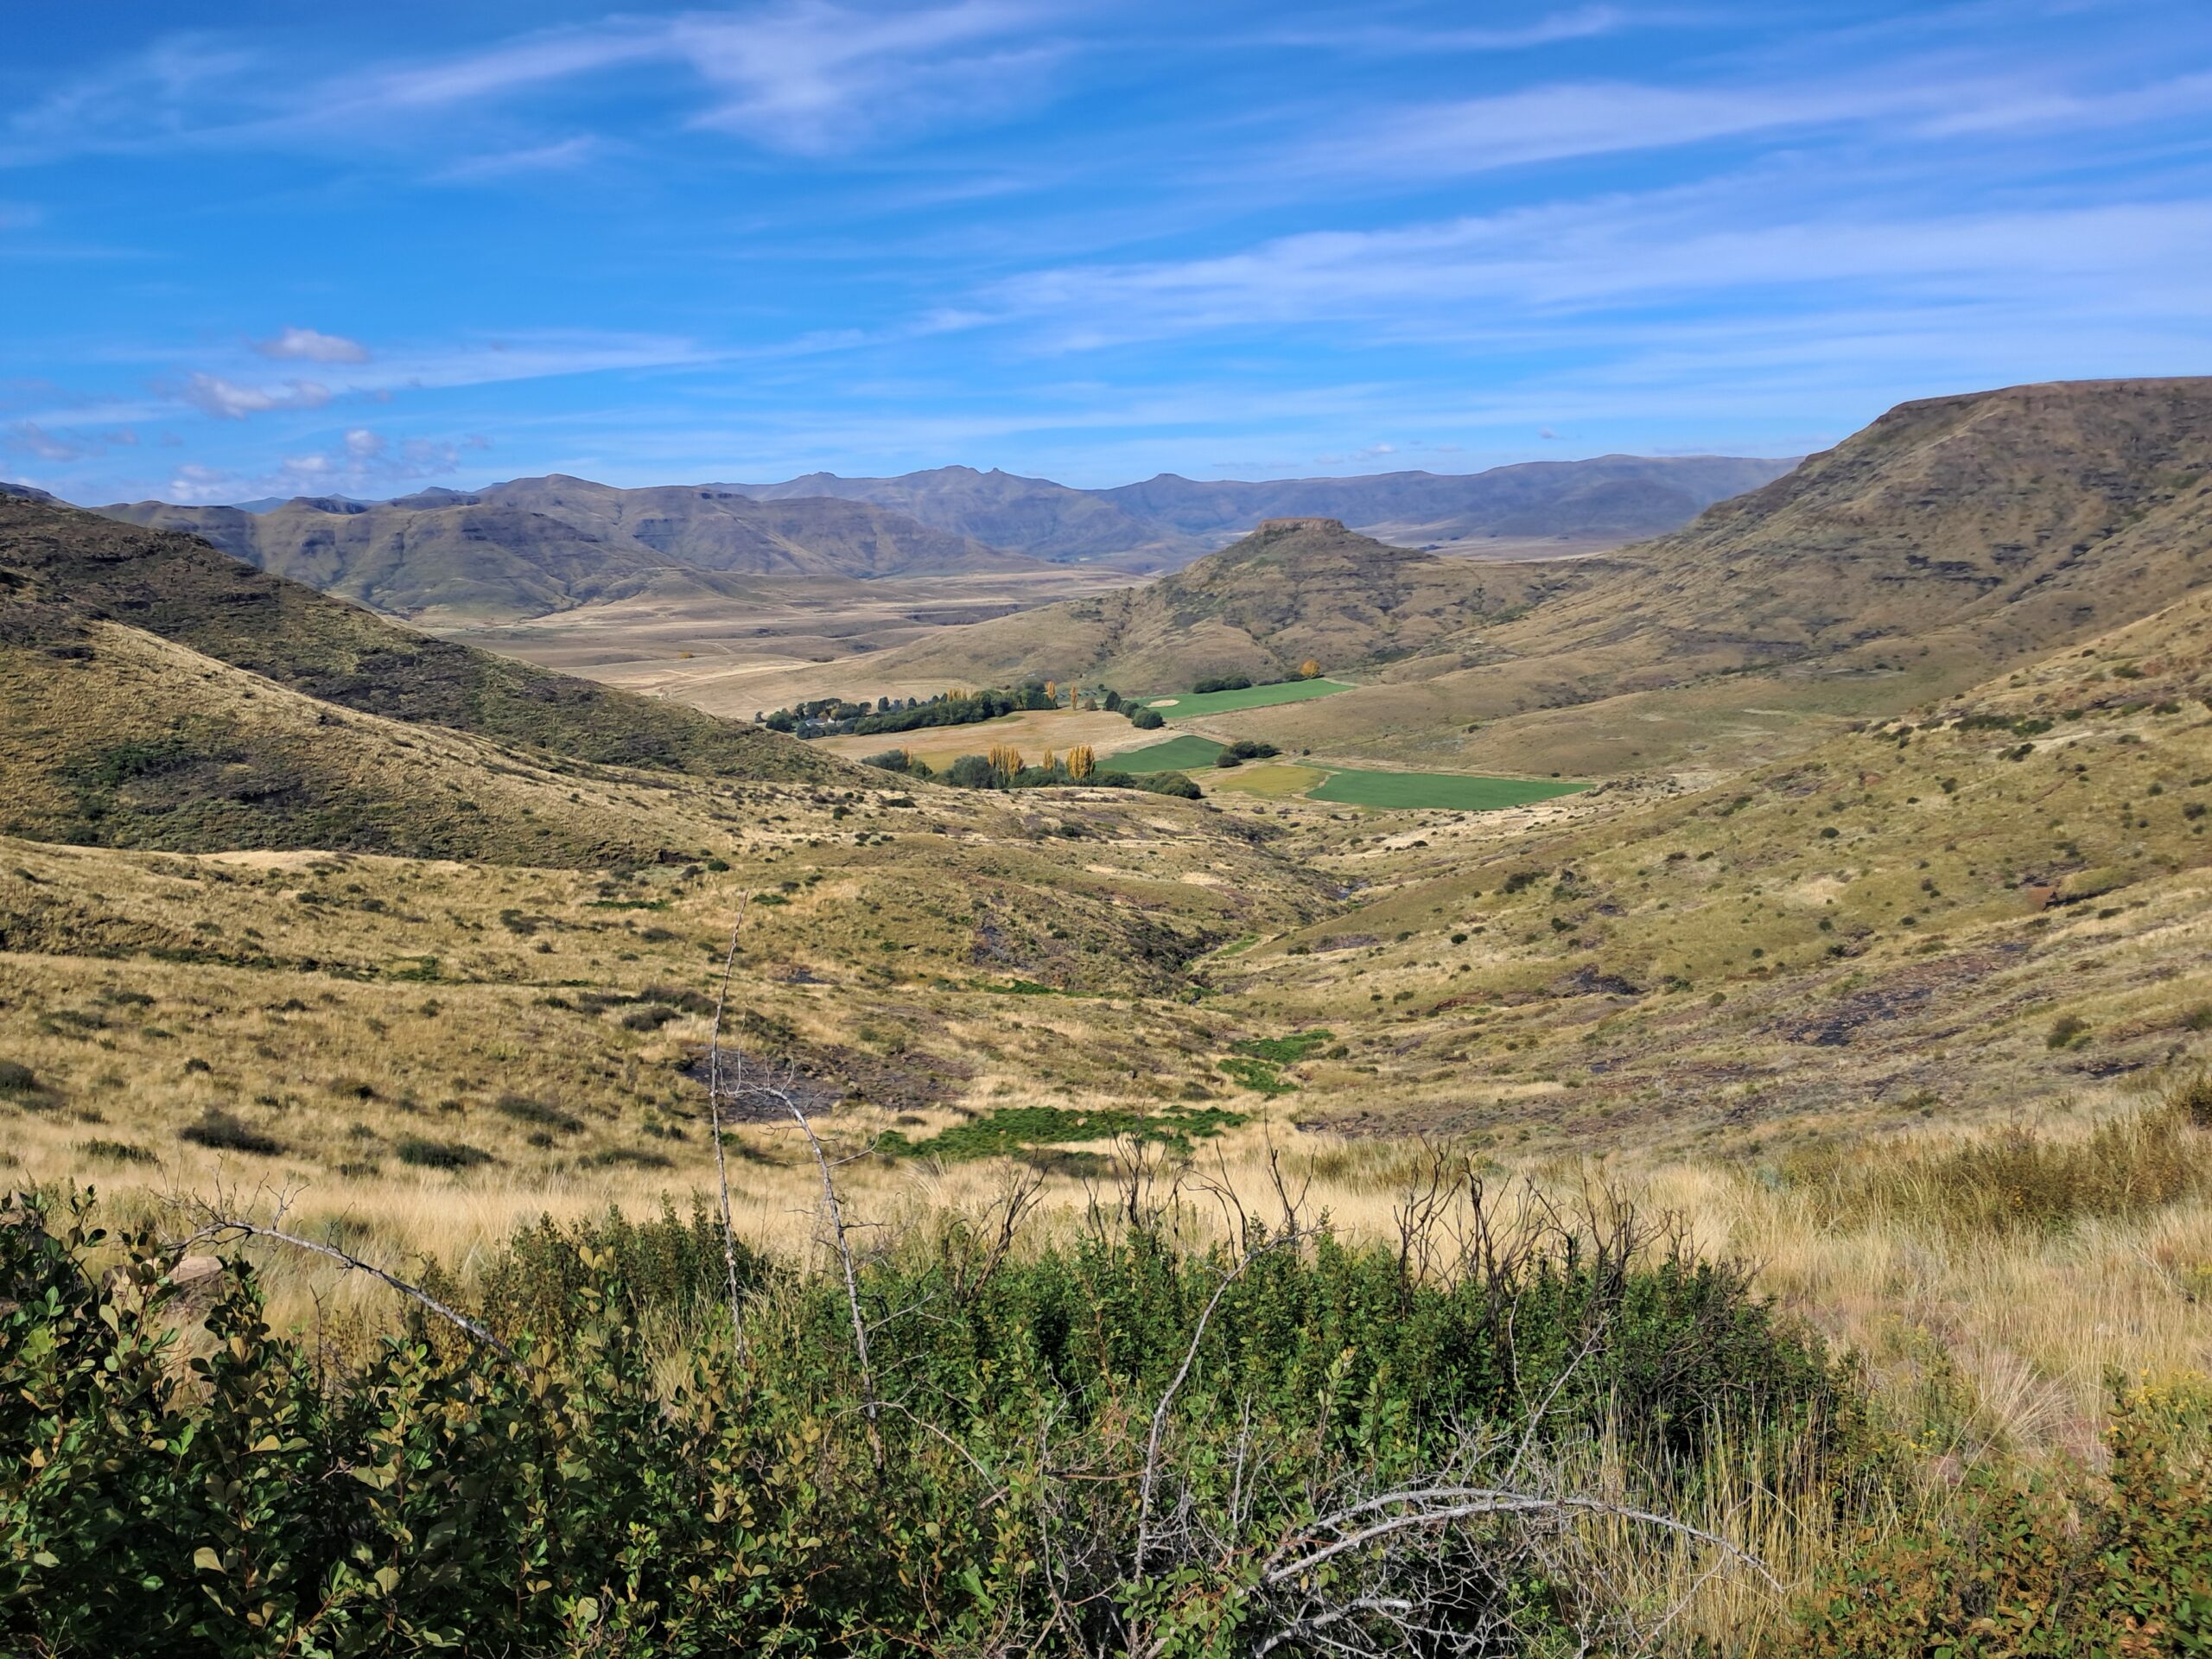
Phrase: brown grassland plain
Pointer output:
(1929, 935)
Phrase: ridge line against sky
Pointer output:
(244, 253)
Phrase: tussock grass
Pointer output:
(2015, 1176)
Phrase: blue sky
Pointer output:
(260, 248)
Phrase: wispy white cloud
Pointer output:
(29, 437)
(310, 345)
(814, 77)
(1562, 121)
(1526, 270)
(364, 462)
(804, 76)
(227, 400)
(556, 157)
(1583, 24)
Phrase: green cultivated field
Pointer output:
(1176, 754)
(1188, 703)
(1453, 792)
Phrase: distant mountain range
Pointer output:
(1167, 521)
(537, 546)
(533, 546)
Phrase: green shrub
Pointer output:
(1285, 1051)
(224, 1132)
(117, 1152)
(2042, 1572)
(537, 1113)
(425, 1153)
(16, 1078)
(635, 1484)
(1147, 720)
(2066, 1031)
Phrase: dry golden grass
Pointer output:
(1033, 732)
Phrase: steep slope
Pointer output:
(1950, 539)
(1295, 588)
(2010, 520)
(114, 737)
(62, 571)
(533, 546)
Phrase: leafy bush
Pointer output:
(1285, 1051)
(16, 1078)
(635, 1484)
(2038, 1572)
(224, 1132)
(438, 1154)
(1147, 720)
(117, 1152)
(1220, 683)
(537, 1113)
(1015, 1128)
(1257, 1075)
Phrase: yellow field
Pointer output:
(1032, 733)
(1275, 783)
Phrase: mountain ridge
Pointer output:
(158, 692)
(1166, 521)
(531, 547)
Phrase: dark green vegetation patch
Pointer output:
(1013, 1130)
(1176, 754)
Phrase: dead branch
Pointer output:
(840, 1242)
(220, 1229)
(715, 1122)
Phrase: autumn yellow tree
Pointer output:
(1081, 761)
(1005, 759)
(1048, 762)
(1309, 669)
(1052, 692)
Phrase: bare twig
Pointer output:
(1150, 1478)
(219, 1228)
(1438, 1506)
(715, 1120)
(840, 1242)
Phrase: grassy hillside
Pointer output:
(535, 546)
(61, 570)
(1292, 590)
(1894, 923)
(1950, 540)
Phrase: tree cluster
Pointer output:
(833, 716)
